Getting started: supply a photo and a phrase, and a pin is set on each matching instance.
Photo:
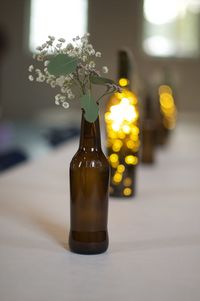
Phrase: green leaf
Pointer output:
(62, 64)
(98, 80)
(90, 107)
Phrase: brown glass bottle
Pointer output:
(89, 187)
(123, 139)
(166, 107)
(148, 132)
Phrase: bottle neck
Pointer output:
(148, 110)
(90, 138)
(124, 68)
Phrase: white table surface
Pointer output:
(154, 251)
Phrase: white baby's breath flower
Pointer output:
(69, 46)
(52, 38)
(30, 68)
(71, 96)
(89, 47)
(84, 39)
(40, 57)
(44, 45)
(64, 51)
(72, 53)
(67, 78)
(60, 80)
(105, 69)
(92, 52)
(61, 40)
(42, 78)
(49, 43)
(61, 98)
(59, 45)
(57, 97)
(31, 78)
(77, 50)
(98, 54)
(46, 63)
(48, 81)
(43, 52)
(53, 84)
(65, 105)
(39, 48)
(84, 58)
(77, 38)
(52, 77)
(57, 102)
(63, 90)
(92, 64)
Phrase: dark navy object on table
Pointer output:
(11, 158)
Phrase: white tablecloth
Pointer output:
(154, 251)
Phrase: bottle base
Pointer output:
(88, 243)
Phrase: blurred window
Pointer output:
(171, 28)
(60, 18)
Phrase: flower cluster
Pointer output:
(74, 83)
(71, 68)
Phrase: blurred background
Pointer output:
(163, 37)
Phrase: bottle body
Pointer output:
(148, 132)
(89, 185)
(122, 127)
(148, 141)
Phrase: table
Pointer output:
(154, 251)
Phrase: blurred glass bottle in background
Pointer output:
(122, 127)
(166, 107)
(148, 132)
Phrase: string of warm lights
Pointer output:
(121, 119)
(167, 107)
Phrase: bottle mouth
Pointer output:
(123, 82)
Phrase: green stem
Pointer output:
(106, 93)
(78, 83)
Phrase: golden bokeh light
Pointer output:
(121, 168)
(117, 177)
(123, 82)
(167, 107)
(121, 134)
(114, 158)
(117, 144)
(164, 89)
(135, 130)
(127, 191)
(166, 101)
(130, 144)
(126, 128)
(127, 181)
(122, 126)
(133, 160)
